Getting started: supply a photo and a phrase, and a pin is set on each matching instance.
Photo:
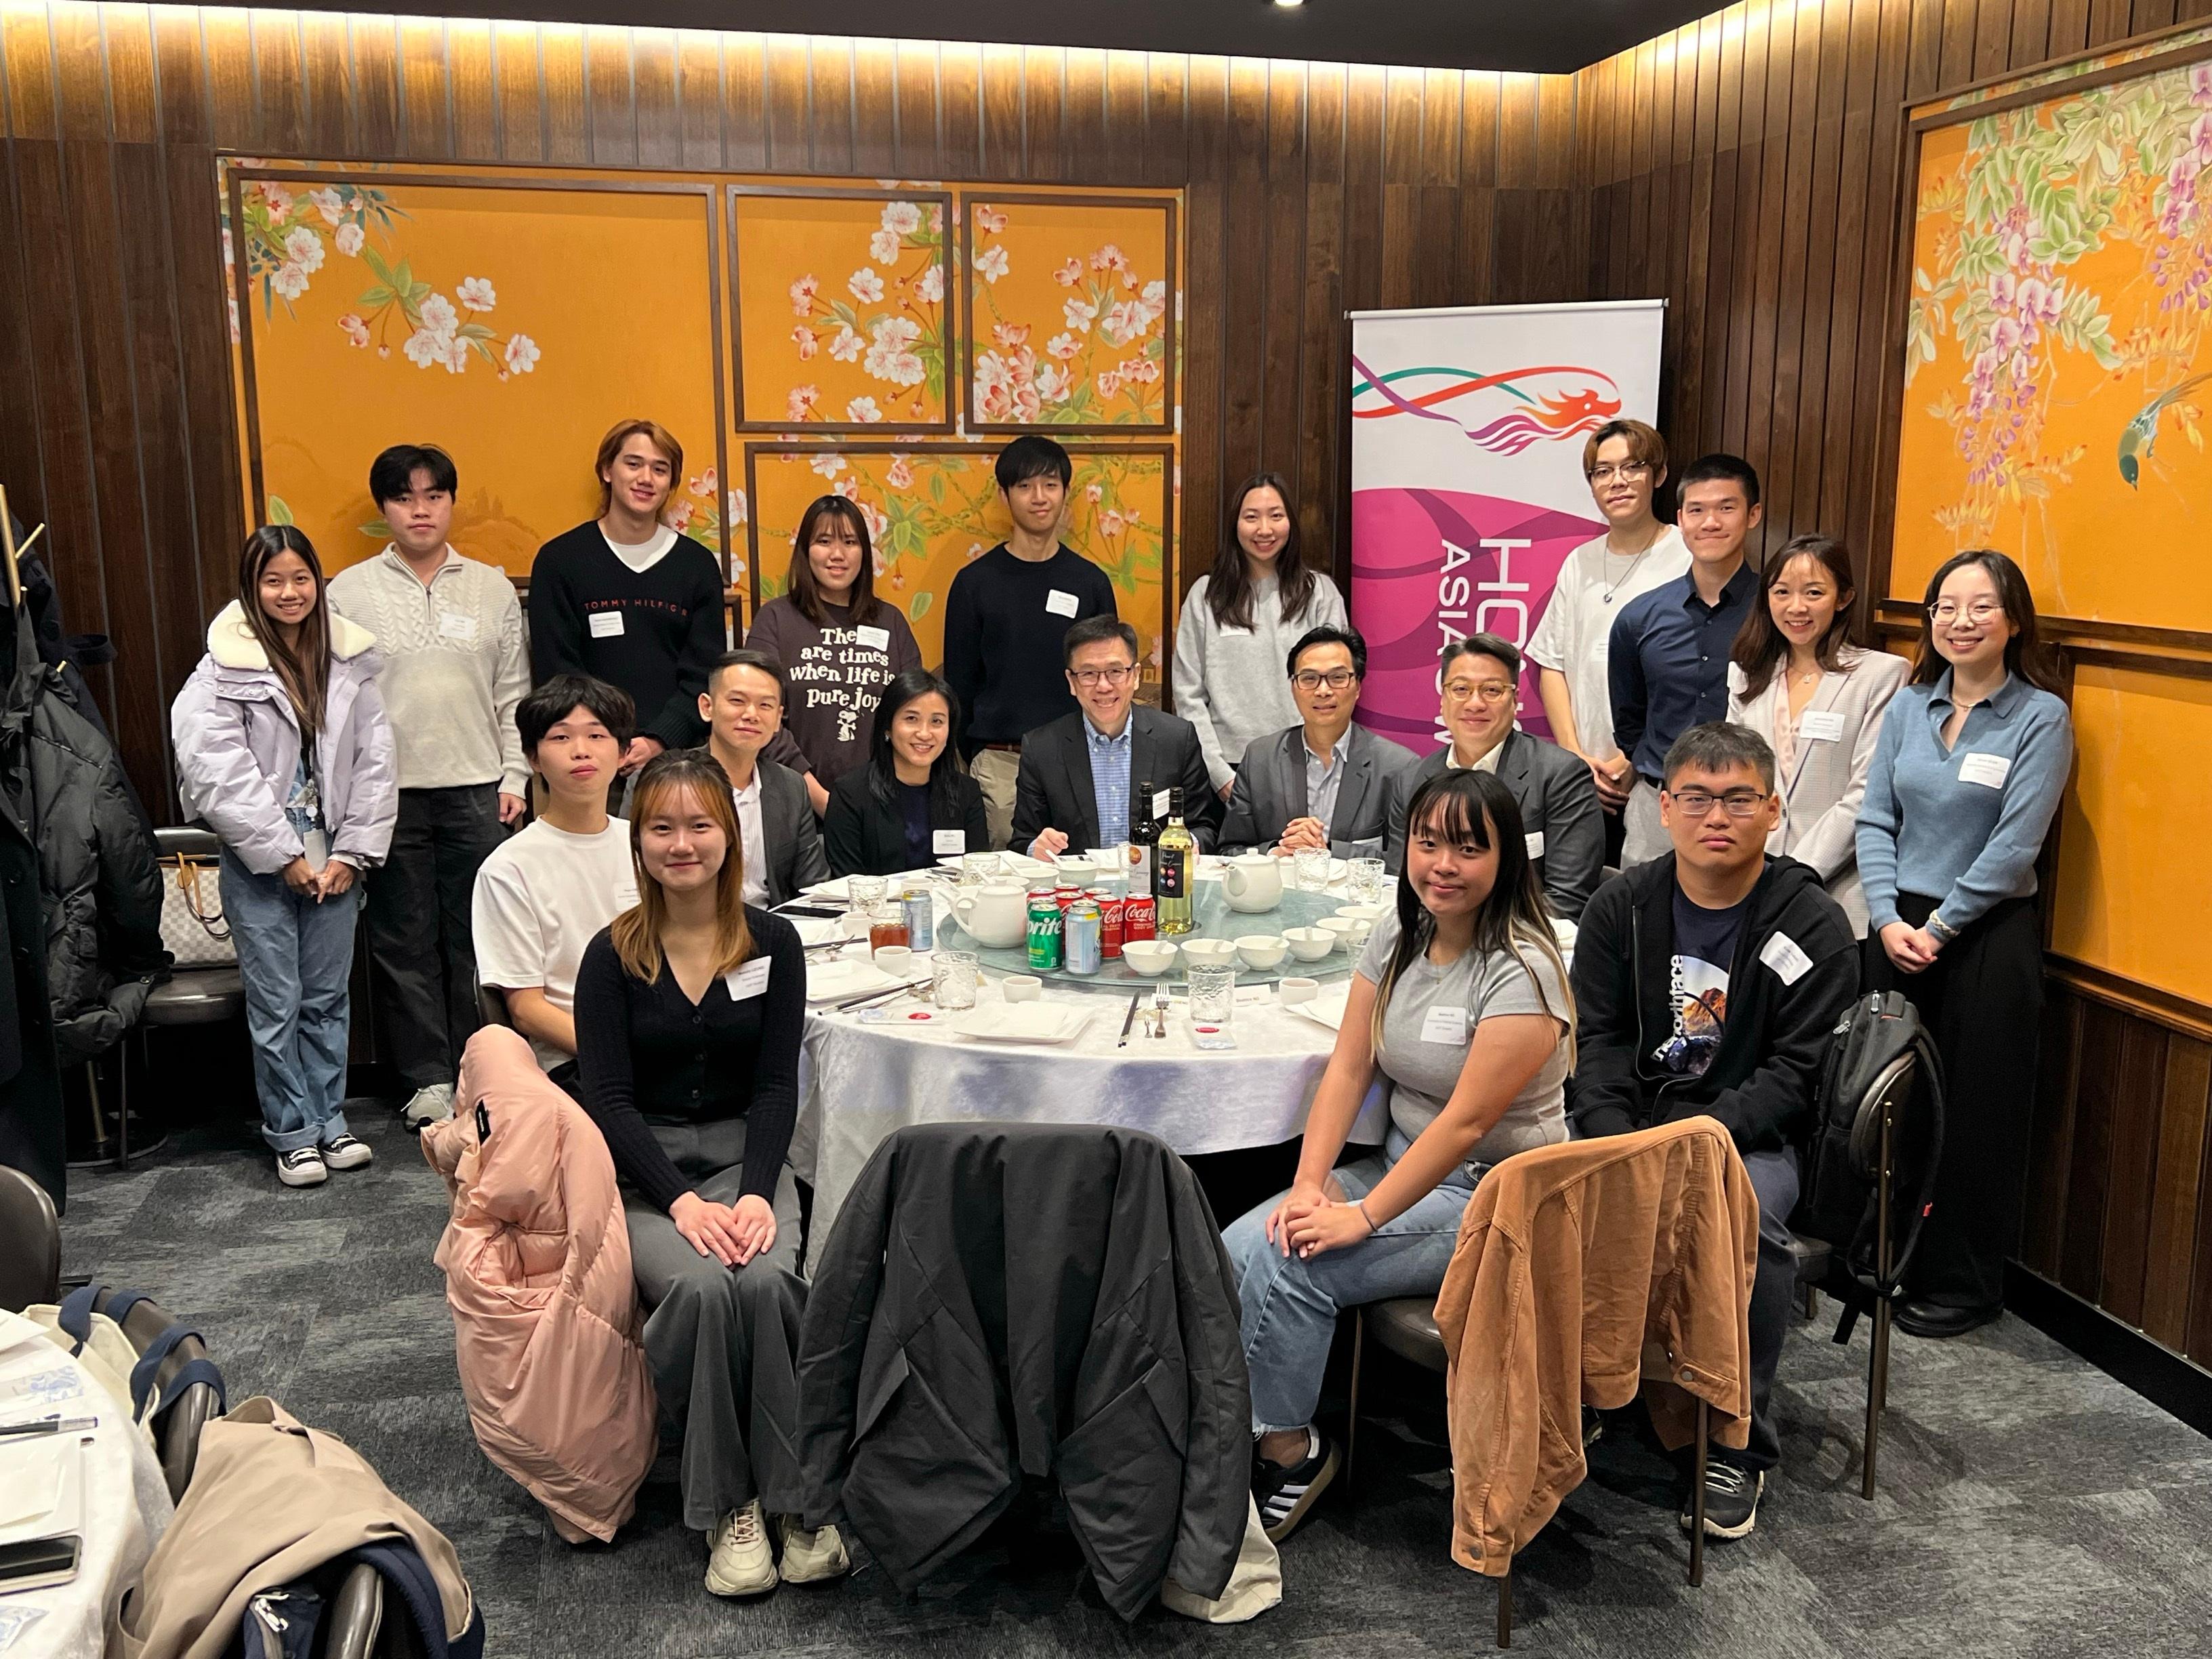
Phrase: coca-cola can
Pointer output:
(1065, 896)
(1141, 918)
(1112, 914)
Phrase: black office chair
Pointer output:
(30, 1242)
(177, 1430)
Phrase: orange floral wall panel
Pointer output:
(842, 307)
(2058, 355)
(1072, 309)
(509, 322)
(933, 507)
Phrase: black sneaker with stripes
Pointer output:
(1284, 1495)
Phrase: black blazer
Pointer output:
(795, 859)
(1557, 801)
(1054, 790)
(865, 836)
(1270, 791)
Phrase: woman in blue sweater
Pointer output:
(1972, 760)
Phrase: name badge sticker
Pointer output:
(1821, 726)
(606, 625)
(1782, 954)
(1535, 843)
(452, 625)
(747, 982)
(876, 639)
(948, 840)
(1988, 770)
(1060, 603)
(1444, 1025)
(1236, 633)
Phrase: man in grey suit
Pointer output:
(1481, 676)
(1080, 773)
(1324, 783)
(742, 707)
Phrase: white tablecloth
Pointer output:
(126, 1502)
(859, 1081)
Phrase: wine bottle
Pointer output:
(1143, 835)
(1174, 862)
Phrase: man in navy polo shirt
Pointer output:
(1669, 657)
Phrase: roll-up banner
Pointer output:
(1468, 493)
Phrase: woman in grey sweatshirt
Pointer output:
(1233, 642)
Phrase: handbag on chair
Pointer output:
(192, 924)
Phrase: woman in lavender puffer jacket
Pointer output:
(284, 749)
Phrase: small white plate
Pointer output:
(1025, 1022)
(845, 976)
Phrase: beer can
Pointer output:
(1141, 918)
(921, 916)
(1113, 912)
(1043, 931)
(1083, 929)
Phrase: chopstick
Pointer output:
(1129, 1019)
(868, 998)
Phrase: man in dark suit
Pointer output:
(1324, 783)
(1481, 676)
(742, 707)
(1079, 775)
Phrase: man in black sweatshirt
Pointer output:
(1706, 984)
(1005, 616)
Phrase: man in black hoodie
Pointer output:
(1706, 984)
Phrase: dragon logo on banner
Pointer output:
(1541, 404)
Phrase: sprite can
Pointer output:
(1044, 932)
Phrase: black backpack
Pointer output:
(1842, 1191)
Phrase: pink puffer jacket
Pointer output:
(538, 1274)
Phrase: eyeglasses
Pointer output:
(1493, 692)
(1310, 680)
(1089, 677)
(1944, 612)
(1741, 803)
(1626, 471)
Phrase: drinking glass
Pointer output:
(952, 976)
(1312, 869)
(887, 922)
(1367, 881)
(1213, 992)
(976, 868)
(868, 892)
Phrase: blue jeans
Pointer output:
(1290, 1304)
(294, 956)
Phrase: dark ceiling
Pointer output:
(1555, 35)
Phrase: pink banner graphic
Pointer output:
(1432, 565)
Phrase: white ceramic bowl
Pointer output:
(1370, 914)
(1261, 952)
(1345, 929)
(1149, 955)
(1022, 987)
(896, 960)
(1309, 943)
(1294, 990)
(1202, 952)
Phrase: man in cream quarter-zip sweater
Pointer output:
(450, 630)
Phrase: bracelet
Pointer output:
(1360, 1205)
(1940, 930)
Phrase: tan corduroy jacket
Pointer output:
(1580, 1268)
(271, 1501)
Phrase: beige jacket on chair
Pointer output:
(538, 1269)
(1578, 1268)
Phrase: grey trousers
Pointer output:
(723, 1342)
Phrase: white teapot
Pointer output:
(1252, 882)
(996, 914)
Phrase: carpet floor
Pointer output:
(2027, 1504)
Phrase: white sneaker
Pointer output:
(811, 1557)
(739, 1563)
(427, 1106)
(302, 1166)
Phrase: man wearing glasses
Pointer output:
(1706, 983)
(1666, 661)
(1323, 782)
(1626, 463)
(1480, 676)
(1079, 775)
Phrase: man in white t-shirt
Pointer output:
(1626, 462)
(544, 896)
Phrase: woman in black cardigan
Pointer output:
(690, 1011)
(913, 802)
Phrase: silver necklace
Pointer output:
(1613, 588)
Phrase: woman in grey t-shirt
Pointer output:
(1460, 1006)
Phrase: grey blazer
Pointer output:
(1270, 791)
(1053, 787)
(1821, 792)
(793, 834)
(1558, 803)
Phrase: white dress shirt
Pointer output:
(748, 803)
